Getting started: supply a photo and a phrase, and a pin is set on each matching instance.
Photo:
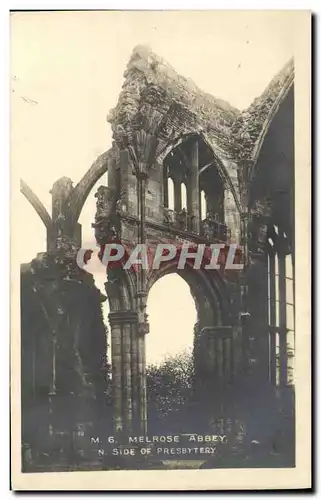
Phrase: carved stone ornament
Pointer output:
(106, 202)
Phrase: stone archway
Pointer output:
(172, 315)
(140, 216)
(214, 348)
(217, 344)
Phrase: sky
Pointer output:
(66, 74)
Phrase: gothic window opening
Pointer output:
(170, 193)
(280, 310)
(183, 196)
(212, 193)
(203, 205)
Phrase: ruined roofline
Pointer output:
(154, 95)
(159, 72)
(249, 127)
(281, 79)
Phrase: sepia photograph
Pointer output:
(160, 200)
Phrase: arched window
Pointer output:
(184, 196)
(203, 206)
(290, 339)
(170, 191)
(280, 310)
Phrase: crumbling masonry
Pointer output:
(237, 170)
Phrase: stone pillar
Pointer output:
(129, 372)
(138, 379)
(116, 353)
(142, 330)
(165, 185)
(258, 332)
(193, 196)
(142, 382)
(127, 382)
(126, 375)
(231, 216)
(134, 378)
(63, 231)
(177, 196)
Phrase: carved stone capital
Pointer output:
(143, 328)
(122, 317)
